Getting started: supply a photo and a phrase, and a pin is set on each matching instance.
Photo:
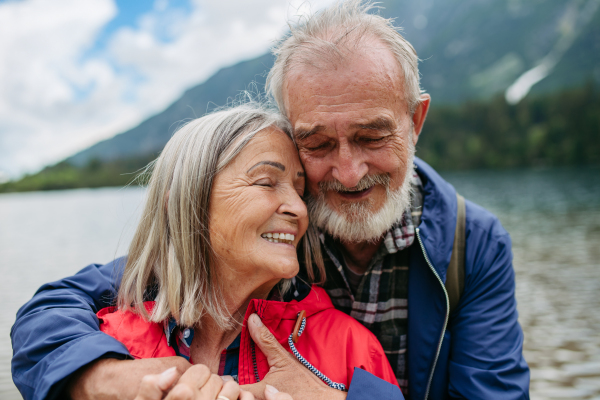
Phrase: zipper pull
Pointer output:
(301, 316)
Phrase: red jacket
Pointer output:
(332, 341)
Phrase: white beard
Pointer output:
(356, 222)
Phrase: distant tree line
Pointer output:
(67, 176)
(561, 129)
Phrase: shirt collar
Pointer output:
(172, 331)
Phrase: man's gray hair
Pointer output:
(171, 251)
(331, 34)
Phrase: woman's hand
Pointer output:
(197, 383)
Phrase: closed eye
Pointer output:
(318, 147)
(264, 182)
(372, 140)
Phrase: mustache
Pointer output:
(366, 182)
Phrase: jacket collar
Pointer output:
(438, 220)
(271, 312)
(252, 362)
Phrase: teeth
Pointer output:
(279, 237)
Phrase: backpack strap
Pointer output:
(455, 276)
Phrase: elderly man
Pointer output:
(349, 84)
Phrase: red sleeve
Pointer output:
(371, 356)
(143, 339)
(380, 366)
(338, 343)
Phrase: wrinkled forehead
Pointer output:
(357, 90)
(368, 72)
(271, 143)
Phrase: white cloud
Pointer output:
(56, 98)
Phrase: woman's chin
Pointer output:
(284, 268)
(281, 259)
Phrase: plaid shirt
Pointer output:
(381, 300)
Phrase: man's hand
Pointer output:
(286, 373)
(119, 379)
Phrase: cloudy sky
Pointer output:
(73, 72)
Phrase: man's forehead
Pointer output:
(315, 108)
(361, 83)
(376, 63)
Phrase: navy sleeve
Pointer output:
(486, 359)
(365, 386)
(57, 332)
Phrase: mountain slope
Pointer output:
(471, 50)
(151, 135)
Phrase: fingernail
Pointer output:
(226, 378)
(166, 377)
(169, 371)
(255, 319)
(271, 389)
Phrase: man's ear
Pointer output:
(419, 116)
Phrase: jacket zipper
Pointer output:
(256, 377)
(437, 354)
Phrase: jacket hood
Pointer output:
(438, 220)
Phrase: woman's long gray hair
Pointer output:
(171, 251)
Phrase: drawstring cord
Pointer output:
(338, 386)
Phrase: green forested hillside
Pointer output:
(471, 51)
(474, 49)
(544, 130)
(150, 136)
(95, 173)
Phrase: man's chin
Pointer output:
(361, 221)
(352, 222)
(358, 221)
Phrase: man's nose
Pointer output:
(350, 166)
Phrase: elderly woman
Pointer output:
(216, 243)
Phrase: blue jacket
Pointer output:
(475, 353)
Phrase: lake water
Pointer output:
(553, 217)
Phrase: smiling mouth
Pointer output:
(355, 194)
(286, 238)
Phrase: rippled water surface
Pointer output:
(554, 221)
(553, 217)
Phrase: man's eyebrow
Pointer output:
(302, 134)
(271, 163)
(379, 124)
(301, 174)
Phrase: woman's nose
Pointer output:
(293, 205)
